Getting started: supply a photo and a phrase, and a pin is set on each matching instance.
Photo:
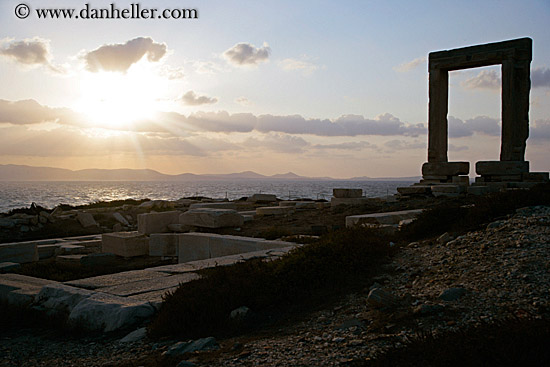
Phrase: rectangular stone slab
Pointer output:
(110, 280)
(199, 246)
(347, 201)
(223, 261)
(21, 289)
(149, 285)
(23, 252)
(347, 193)
(127, 244)
(157, 222)
(211, 218)
(501, 167)
(222, 205)
(163, 244)
(382, 218)
(275, 210)
(445, 168)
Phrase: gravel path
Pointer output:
(432, 285)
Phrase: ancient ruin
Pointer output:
(511, 170)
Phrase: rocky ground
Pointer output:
(441, 284)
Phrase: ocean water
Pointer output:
(49, 194)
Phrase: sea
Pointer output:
(49, 194)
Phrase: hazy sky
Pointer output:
(320, 88)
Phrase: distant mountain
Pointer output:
(12, 172)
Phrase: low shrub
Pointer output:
(456, 217)
(307, 276)
(512, 342)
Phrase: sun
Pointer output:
(118, 100)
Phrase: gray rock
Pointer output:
(86, 219)
(7, 223)
(181, 348)
(444, 238)
(351, 323)
(381, 298)
(185, 364)
(6, 267)
(426, 309)
(101, 259)
(135, 336)
(452, 294)
(239, 313)
(121, 219)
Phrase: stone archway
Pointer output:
(440, 175)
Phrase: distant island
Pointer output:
(12, 172)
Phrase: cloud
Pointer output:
(480, 124)
(280, 143)
(301, 65)
(490, 79)
(486, 79)
(352, 145)
(347, 125)
(119, 57)
(172, 73)
(404, 145)
(31, 112)
(192, 99)
(410, 65)
(540, 78)
(243, 101)
(31, 52)
(457, 148)
(539, 130)
(243, 54)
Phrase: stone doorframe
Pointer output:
(515, 57)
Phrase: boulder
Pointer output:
(106, 312)
(86, 219)
(120, 218)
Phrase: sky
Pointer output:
(318, 88)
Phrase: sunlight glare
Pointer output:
(115, 100)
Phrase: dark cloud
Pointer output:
(119, 57)
(480, 124)
(192, 99)
(31, 52)
(247, 54)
